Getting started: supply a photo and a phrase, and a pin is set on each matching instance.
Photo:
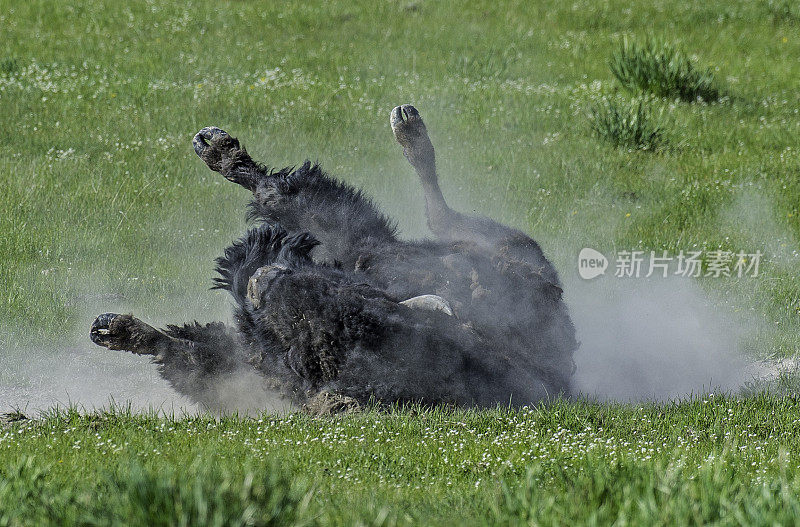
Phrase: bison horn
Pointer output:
(429, 303)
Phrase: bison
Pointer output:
(329, 301)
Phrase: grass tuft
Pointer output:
(627, 125)
(8, 65)
(662, 69)
(784, 11)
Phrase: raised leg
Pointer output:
(410, 132)
(222, 153)
(450, 225)
(192, 357)
(128, 333)
(301, 199)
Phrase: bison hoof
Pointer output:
(429, 303)
(123, 332)
(100, 333)
(201, 138)
(215, 147)
(327, 403)
(407, 126)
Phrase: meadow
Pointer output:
(553, 117)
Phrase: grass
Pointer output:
(783, 11)
(133, 495)
(721, 460)
(662, 69)
(627, 124)
(105, 207)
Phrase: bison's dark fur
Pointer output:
(319, 287)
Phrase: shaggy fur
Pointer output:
(319, 287)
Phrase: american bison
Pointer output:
(329, 300)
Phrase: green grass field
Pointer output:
(105, 207)
(719, 460)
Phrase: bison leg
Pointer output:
(222, 153)
(410, 132)
(302, 199)
(193, 357)
(447, 224)
(128, 333)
